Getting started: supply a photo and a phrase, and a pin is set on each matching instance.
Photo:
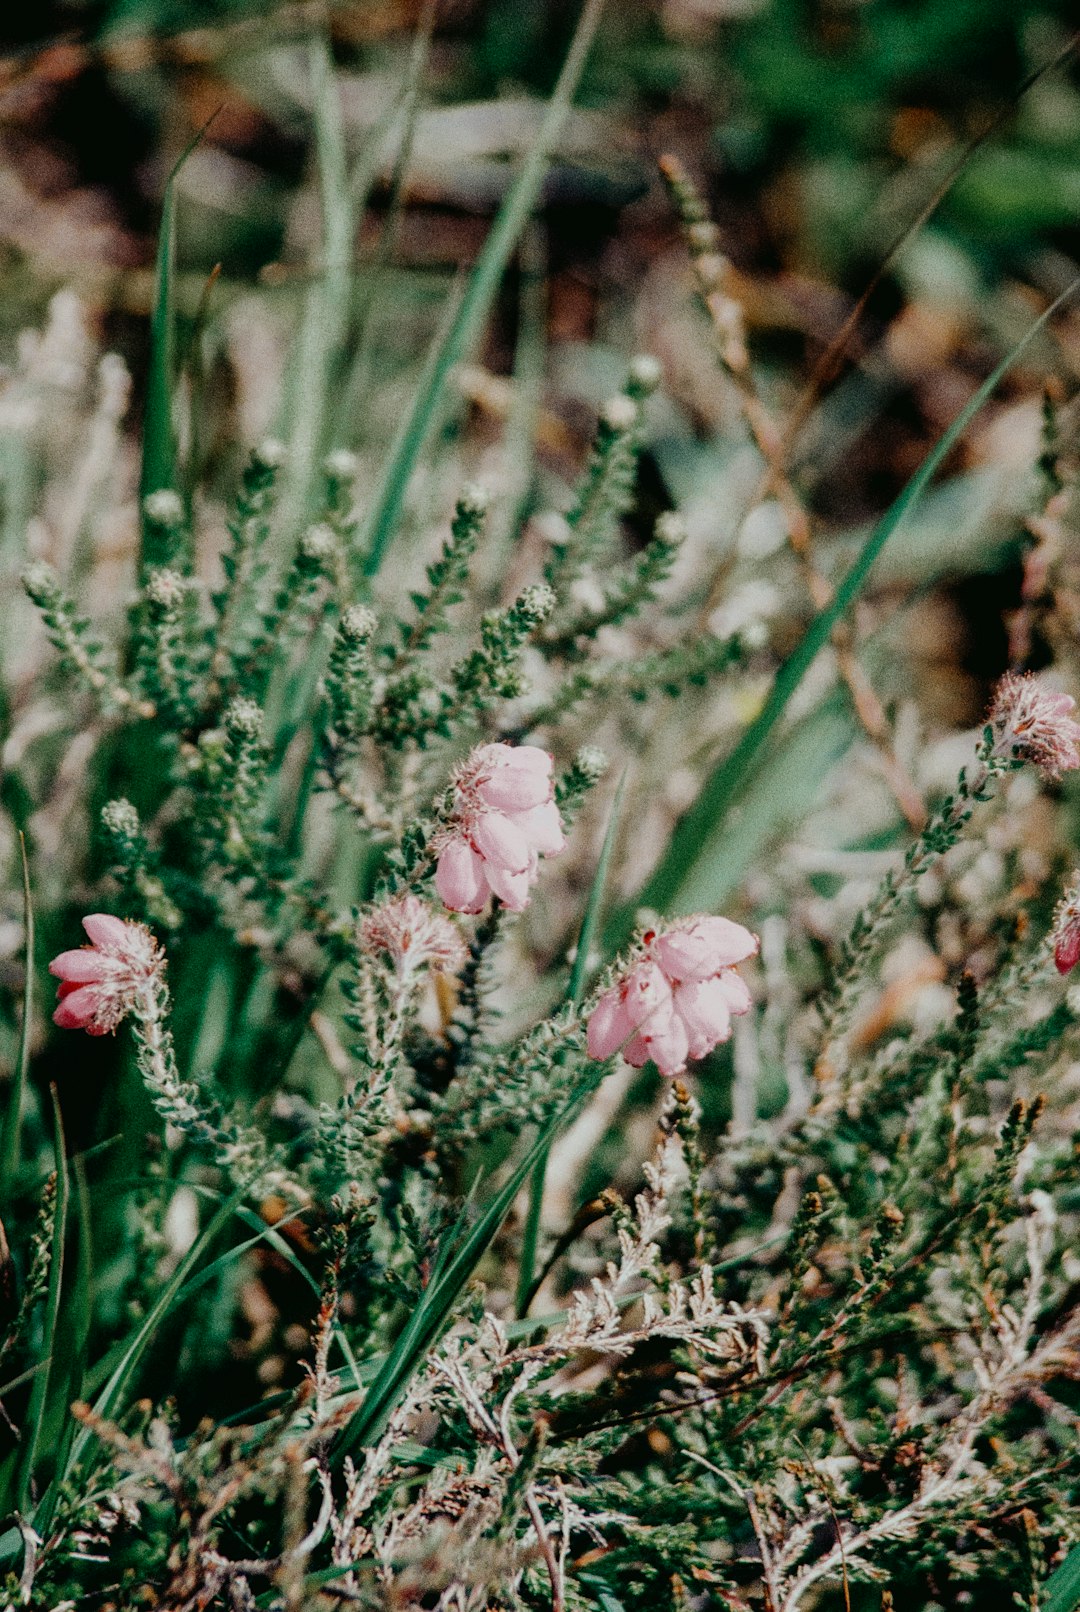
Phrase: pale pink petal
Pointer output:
(77, 1008)
(644, 991)
(684, 955)
(105, 930)
(736, 991)
(542, 827)
(82, 966)
(668, 1043)
(703, 1007)
(519, 779)
(459, 877)
(609, 1025)
(729, 942)
(512, 888)
(636, 1052)
(500, 841)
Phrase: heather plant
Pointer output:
(417, 1192)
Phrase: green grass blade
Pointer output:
(1061, 1592)
(437, 1304)
(9, 1141)
(590, 924)
(79, 1311)
(325, 317)
(35, 1416)
(376, 270)
(159, 448)
(474, 305)
(109, 1397)
(698, 826)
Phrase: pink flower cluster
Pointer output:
(100, 983)
(504, 819)
(1032, 722)
(676, 999)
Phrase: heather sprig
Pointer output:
(165, 660)
(135, 865)
(976, 783)
(415, 708)
(243, 560)
(622, 593)
(607, 488)
(80, 651)
(447, 577)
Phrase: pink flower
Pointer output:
(1031, 722)
(413, 935)
(504, 819)
(676, 999)
(1066, 932)
(100, 983)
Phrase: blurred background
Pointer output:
(819, 128)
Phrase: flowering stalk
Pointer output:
(447, 576)
(1027, 723)
(164, 537)
(942, 832)
(398, 942)
(287, 612)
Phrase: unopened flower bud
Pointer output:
(41, 582)
(646, 373)
(165, 589)
(317, 547)
(120, 819)
(413, 935)
(591, 762)
(270, 454)
(619, 413)
(1066, 931)
(341, 465)
(537, 601)
(670, 528)
(243, 719)
(164, 508)
(358, 623)
(474, 499)
(703, 236)
(1031, 722)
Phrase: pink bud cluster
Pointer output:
(1031, 722)
(413, 936)
(504, 819)
(100, 983)
(676, 999)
